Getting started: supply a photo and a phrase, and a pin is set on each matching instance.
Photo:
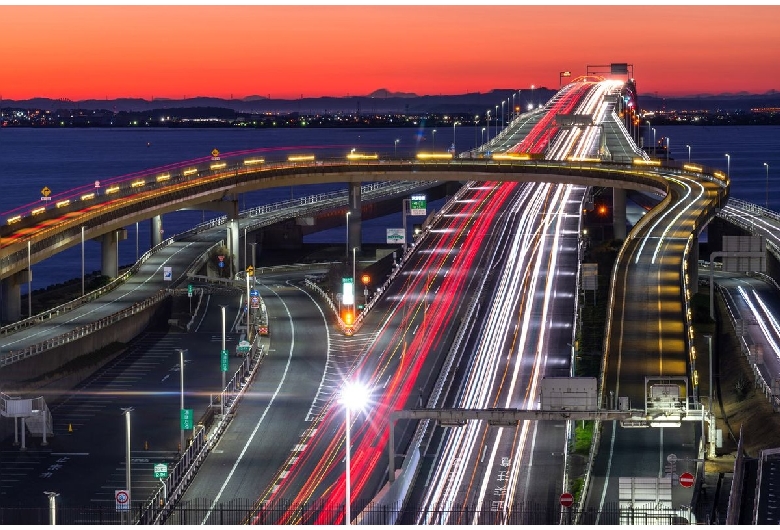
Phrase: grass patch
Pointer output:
(583, 437)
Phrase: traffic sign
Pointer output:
(189, 290)
(250, 270)
(243, 347)
(97, 183)
(223, 360)
(186, 419)
(686, 480)
(567, 499)
(122, 500)
(671, 458)
(161, 471)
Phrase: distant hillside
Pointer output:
(384, 101)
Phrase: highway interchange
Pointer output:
(503, 255)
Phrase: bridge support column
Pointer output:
(232, 237)
(157, 230)
(619, 213)
(110, 252)
(12, 296)
(355, 218)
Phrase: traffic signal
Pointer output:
(365, 279)
(348, 317)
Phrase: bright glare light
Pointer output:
(354, 396)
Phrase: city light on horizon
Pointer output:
(296, 51)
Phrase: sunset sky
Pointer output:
(290, 51)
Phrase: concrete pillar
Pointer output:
(110, 252)
(157, 230)
(231, 237)
(619, 212)
(355, 218)
(12, 296)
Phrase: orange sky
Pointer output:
(84, 52)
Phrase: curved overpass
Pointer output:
(50, 232)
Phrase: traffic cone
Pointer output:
(70, 428)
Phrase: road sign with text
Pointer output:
(186, 419)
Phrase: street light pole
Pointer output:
(433, 147)
(453, 133)
(346, 257)
(667, 149)
(126, 412)
(502, 114)
(395, 148)
(654, 145)
(181, 400)
(767, 185)
(354, 287)
(728, 165)
(689, 153)
(222, 391)
(82, 260)
(488, 127)
(483, 139)
(52, 506)
(352, 396)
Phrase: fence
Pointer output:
(237, 511)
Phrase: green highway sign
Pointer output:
(189, 290)
(186, 419)
(161, 471)
(223, 360)
(418, 205)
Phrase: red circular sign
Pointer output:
(567, 499)
(686, 480)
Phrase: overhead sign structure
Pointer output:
(418, 205)
(396, 236)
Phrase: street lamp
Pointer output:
(767, 185)
(513, 105)
(395, 147)
(648, 129)
(353, 396)
(532, 96)
(667, 149)
(483, 138)
(453, 132)
(82, 260)
(52, 506)
(434, 141)
(488, 127)
(689, 152)
(354, 261)
(126, 412)
(224, 348)
(728, 165)
(495, 135)
(181, 400)
(502, 114)
(346, 257)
